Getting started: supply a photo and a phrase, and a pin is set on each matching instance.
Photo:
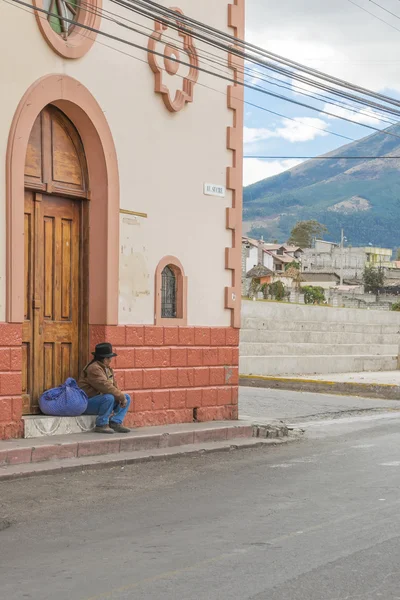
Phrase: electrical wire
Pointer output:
(320, 157)
(326, 100)
(245, 102)
(173, 25)
(385, 9)
(207, 71)
(235, 81)
(216, 60)
(160, 10)
(374, 15)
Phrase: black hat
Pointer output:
(103, 350)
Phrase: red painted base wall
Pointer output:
(11, 425)
(173, 374)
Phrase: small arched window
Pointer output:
(168, 293)
(171, 293)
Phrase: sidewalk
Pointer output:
(24, 457)
(382, 384)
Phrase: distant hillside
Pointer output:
(362, 196)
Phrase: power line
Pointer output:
(217, 60)
(229, 49)
(246, 45)
(385, 9)
(246, 71)
(373, 15)
(321, 157)
(257, 75)
(247, 103)
(207, 71)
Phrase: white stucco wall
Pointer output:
(252, 259)
(164, 158)
(268, 261)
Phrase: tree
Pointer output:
(398, 254)
(373, 279)
(313, 294)
(303, 233)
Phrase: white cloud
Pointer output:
(253, 134)
(301, 129)
(334, 37)
(255, 169)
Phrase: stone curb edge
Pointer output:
(382, 391)
(113, 460)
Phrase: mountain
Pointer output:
(362, 196)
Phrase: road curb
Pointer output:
(380, 391)
(23, 471)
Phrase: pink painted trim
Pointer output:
(184, 95)
(181, 319)
(81, 108)
(80, 40)
(234, 174)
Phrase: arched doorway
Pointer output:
(55, 329)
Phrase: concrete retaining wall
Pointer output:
(286, 339)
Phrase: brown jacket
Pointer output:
(97, 379)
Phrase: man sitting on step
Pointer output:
(105, 399)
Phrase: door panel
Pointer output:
(51, 328)
(27, 329)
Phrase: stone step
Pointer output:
(313, 337)
(309, 365)
(265, 349)
(269, 324)
(36, 426)
(296, 312)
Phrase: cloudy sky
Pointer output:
(333, 36)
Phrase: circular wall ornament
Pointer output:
(169, 65)
(63, 36)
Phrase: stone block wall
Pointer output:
(10, 380)
(175, 374)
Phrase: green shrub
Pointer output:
(313, 295)
(395, 306)
(277, 290)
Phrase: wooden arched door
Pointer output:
(56, 190)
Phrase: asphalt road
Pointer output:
(311, 520)
(269, 404)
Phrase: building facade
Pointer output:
(352, 261)
(122, 159)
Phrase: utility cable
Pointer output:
(245, 102)
(203, 70)
(320, 157)
(237, 41)
(374, 15)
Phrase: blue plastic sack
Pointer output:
(67, 400)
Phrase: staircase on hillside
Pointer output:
(284, 339)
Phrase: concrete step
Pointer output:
(308, 365)
(313, 337)
(269, 324)
(325, 347)
(37, 426)
(296, 312)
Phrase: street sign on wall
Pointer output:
(211, 189)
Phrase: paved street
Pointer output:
(315, 519)
(269, 404)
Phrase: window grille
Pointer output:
(168, 294)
